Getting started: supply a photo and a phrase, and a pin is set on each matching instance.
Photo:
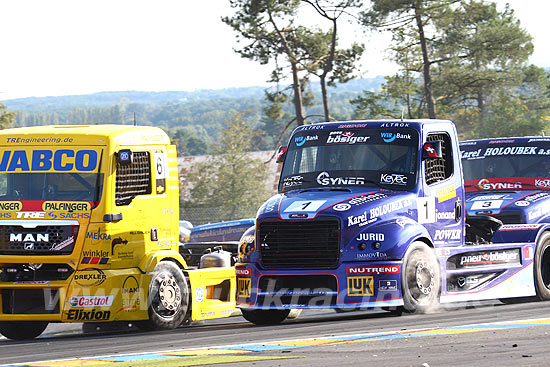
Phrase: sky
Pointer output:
(67, 47)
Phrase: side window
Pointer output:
(439, 169)
(133, 179)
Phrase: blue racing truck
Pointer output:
(507, 179)
(371, 214)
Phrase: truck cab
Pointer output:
(507, 179)
(370, 214)
(89, 232)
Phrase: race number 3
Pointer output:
(426, 209)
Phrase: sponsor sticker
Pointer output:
(91, 301)
(199, 294)
(90, 277)
(244, 287)
(485, 184)
(387, 285)
(522, 203)
(393, 179)
(389, 137)
(446, 193)
(243, 272)
(447, 234)
(66, 206)
(342, 207)
(360, 286)
(301, 140)
(93, 315)
(489, 258)
(345, 137)
(370, 237)
(10, 206)
(324, 179)
(390, 269)
(519, 227)
(62, 160)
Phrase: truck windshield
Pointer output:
(50, 186)
(506, 164)
(385, 158)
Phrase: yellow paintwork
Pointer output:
(113, 261)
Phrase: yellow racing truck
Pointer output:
(89, 233)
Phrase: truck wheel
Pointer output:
(542, 267)
(265, 317)
(168, 298)
(420, 279)
(22, 330)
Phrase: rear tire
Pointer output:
(22, 330)
(542, 267)
(420, 279)
(168, 298)
(265, 317)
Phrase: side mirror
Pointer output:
(431, 150)
(281, 153)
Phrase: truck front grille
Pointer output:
(298, 289)
(299, 244)
(30, 301)
(34, 272)
(39, 240)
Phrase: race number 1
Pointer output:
(305, 206)
(426, 209)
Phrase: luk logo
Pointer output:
(245, 287)
(360, 286)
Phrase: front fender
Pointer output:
(151, 259)
(384, 240)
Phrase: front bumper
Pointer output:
(350, 285)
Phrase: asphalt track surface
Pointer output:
(464, 345)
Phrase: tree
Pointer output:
(230, 181)
(268, 27)
(327, 62)
(7, 119)
(465, 53)
(410, 21)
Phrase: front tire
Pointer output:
(168, 299)
(22, 330)
(265, 317)
(542, 267)
(420, 279)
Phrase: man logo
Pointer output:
(29, 246)
(360, 286)
(244, 287)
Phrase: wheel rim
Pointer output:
(168, 298)
(422, 280)
(545, 267)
